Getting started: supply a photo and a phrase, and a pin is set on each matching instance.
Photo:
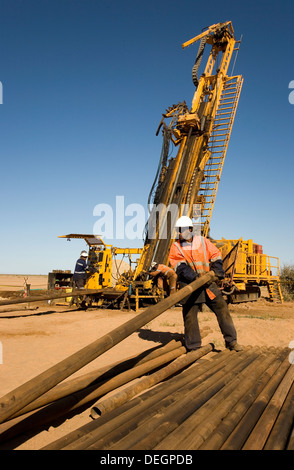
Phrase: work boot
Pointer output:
(234, 346)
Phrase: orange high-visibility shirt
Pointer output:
(161, 269)
(198, 255)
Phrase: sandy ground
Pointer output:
(15, 282)
(38, 336)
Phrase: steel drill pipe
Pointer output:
(203, 422)
(42, 298)
(79, 399)
(26, 393)
(228, 424)
(27, 420)
(107, 422)
(263, 427)
(91, 426)
(177, 407)
(150, 405)
(145, 438)
(108, 404)
(281, 430)
(127, 415)
(200, 416)
(239, 435)
(249, 380)
(120, 417)
(96, 377)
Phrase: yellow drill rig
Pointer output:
(189, 182)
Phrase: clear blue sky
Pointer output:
(85, 83)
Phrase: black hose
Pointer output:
(198, 62)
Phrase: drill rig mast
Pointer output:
(190, 180)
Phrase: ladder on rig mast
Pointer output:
(217, 146)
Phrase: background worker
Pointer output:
(80, 272)
(191, 256)
(166, 277)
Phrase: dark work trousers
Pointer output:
(79, 282)
(190, 317)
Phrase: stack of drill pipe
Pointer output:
(206, 414)
(257, 439)
(149, 432)
(279, 435)
(202, 424)
(83, 390)
(62, 407)
(126, 415)
(237, 439)
(170, 400)
(229, 422)
(110, 403)
(96, 377)
(187, 410)
(34, 388)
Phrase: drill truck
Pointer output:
(187, 183)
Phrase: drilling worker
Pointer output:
(166, 277)
(80, 273)
(191, 256)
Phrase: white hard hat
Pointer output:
(84, 253)
(184, 221)
(153, 264)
